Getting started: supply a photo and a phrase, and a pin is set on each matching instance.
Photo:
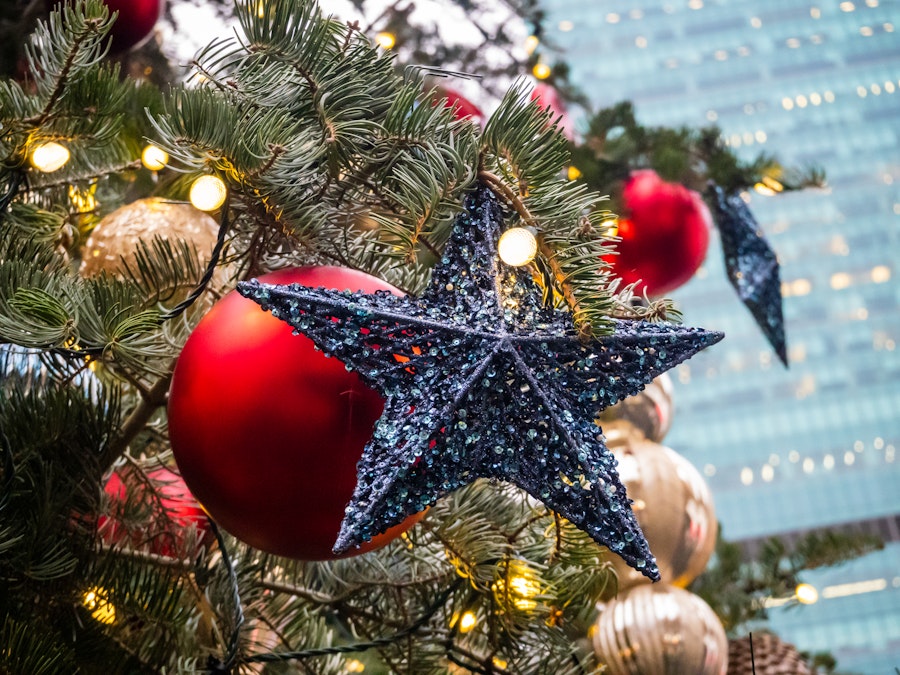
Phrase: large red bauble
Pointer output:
(134, 22)
(664, 234)
(266, 430)
(166, 537)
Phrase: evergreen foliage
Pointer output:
(332, 155)
(737, 590)
(616, 144)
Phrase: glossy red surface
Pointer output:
(167, 537)
(664, 231)
(266, 430)
(134, 22)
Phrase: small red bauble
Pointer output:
(465, 109)
(162, 536)
(134, 22)
(548, 99)
(266, 430)
(664, 234)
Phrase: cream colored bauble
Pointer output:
(672, 504)
(658, 629)
(114, 240)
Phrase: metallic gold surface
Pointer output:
(658, 629)
(672, 503)
(116, 237)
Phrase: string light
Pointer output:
(467, 621)
(531, 43)
(100, 608)
(385, 40)
(355, 666)
(523, 589)
(517, 246)
(572, 173)
(83, 200)
(49, 157)
(519, 586)
(541, 71)
(806, 594)
(208, 193)
(611, 225)
(154, 158)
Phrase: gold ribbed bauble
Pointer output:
(672, 503)
(115, 238)
(650, 410)
(771, 656)
(658, 629)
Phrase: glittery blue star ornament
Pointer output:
(481, 380)
(751, 265)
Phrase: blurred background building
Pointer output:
(786, 451)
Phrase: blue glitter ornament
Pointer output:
(751, 265)
(481, 380)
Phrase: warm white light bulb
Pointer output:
(806, 594)
(517, 246)
(385, 40)
(49, 157)
(541, 71)
(154, 158)
(100, 608)
(467, 622)
(764, 189)
(208, 193)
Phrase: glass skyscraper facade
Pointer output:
(813, 446)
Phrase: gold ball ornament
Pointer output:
(114, 241)
(672, 503)
(649, 410)
(659, 629)
(771, 656)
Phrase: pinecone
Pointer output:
(771, 656)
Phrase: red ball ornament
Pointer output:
(134, 23)
(163, 536)
(548, 99)
(465, 109)
(664, 234)
(266, 430)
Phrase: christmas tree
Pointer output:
(317, 161)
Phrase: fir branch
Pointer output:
(435, 607)
(16, 179)
(75, 31)
(522, 147)
(498, 186)
(36, 652)
(148, 404)
(185, 304)
(92, 173)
